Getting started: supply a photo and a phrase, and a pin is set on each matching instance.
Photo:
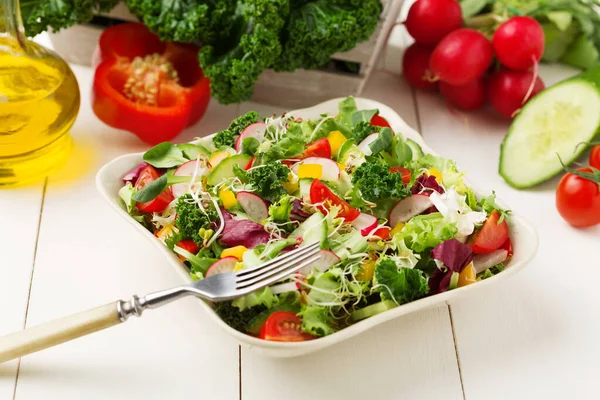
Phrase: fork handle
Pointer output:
(62, 330)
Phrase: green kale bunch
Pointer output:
(228, 136)
(265, 180)
(375, 182)
(191, 219)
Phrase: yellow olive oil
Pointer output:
(39, 101)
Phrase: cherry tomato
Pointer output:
(491, 236)
(578, 199)
(189, 246)
(383, 232)
(508, 247)
(320, 193)
(158, 204)
(595, 157)
(378, 120)
(404, 171)
(319, 148)
(284, 326)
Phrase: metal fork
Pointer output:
(219, 287)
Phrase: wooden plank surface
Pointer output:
(87, 256)
(535, 335)
(19, 221)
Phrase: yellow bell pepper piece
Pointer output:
(291, 185)
(237, 252)
(336, 140)
(437, 174)
(227, 197)
(367, 271)
(216, 158)
(238, 266)
(467, 276)
(165, 232)
(397, 228)
(314, 171)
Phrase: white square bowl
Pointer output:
(523, 235)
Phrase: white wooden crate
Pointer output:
(301, 88)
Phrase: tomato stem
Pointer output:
(593, 176)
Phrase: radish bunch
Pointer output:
(459, 61)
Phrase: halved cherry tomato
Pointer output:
(383, 232)
(249, 165)
(491, 236)
(320, 193)
(284, 326)
(378, 120)
(578, 198)
(319, 148)
(508, 247)
(158, 204)
(189, 246)
(404, 171)
(595, 157)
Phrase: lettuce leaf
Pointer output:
(316, 320)
(402, 285)
(425, 232)
(262, 297)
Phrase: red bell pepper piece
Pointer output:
(151, 88)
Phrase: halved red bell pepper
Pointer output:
(151, 88)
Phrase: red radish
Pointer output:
(508, 90)
(469, 96)
(328, 259)
(254, 205)
(365, 223)
(226, 264)
(249, 165)
(383, 233)
(378, 120)
(331, 170)
(519, 43)
(407, 208)
(256, 131)
(461, 57)
(415, 67)
(187, 169)
(428, 21)
(484, 261)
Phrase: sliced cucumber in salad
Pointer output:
(552, 124)
(224, 169)
(417, 151)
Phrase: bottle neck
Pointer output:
(11, 24)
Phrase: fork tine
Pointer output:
(275, 262)
(274, 278)
(275, 268)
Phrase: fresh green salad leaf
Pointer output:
(383, 141)
(236, 318)
(402, 285)
(362, 129)
(316, 320)
(346, 110)
(363, 116)
(263, 297)
(375, 182)
(228, 136)
(192, 222)
(164, 155)
(289, 146)
(488, 204)
(126, 194)
(265, 180)
(426, 231)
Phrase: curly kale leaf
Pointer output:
(265, 180)
(234, 64)
(319, 29)
(190, 219)
(228, 136)
(185, 20)
(402, 285)
(38, 15)
(376, 182)
(235, 318)
(363, 129)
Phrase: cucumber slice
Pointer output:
(304, 187)
(373, 309)
(314, 229)
(417, 151)
(191, 151)
(224, 169)
(555, 121)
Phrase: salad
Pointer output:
(394, 224)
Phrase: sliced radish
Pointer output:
(331, 170)
(364, 145)
(256, 131)
(187, 169)
(226, 264)
(327, 260)
(284, 287)
(485, 261)
(253, 205)
(365, 223)
(407, 208)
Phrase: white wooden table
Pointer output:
(63, 250)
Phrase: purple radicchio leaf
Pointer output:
(297, 213)
(242, 232)
(425, 185)
(455, 256)
(132, 175)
